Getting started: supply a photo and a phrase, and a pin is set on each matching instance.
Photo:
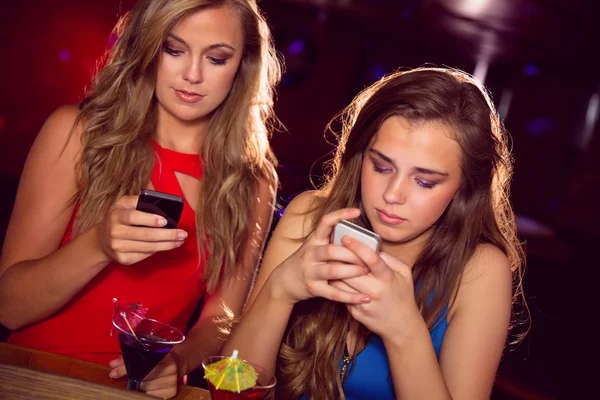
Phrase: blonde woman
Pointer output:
(183, 106)
(423, 162)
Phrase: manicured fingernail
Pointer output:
(179, 243)
(162, 222)
(112, 374)
(366, 299)
(346, 240)
(182, 234)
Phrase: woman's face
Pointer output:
(409, 175)
(199, 63)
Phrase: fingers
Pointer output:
(163, 387)
(118, 372)
(146, 234)
(133, 246)
(165, 368)
(372, 260)
(342, 285)
(396, 265)
(162, 381)
(338, 270)
(325, 227)
(333, 252)
(367, 284)
(128, 216)
(331, 293)
(116, 362)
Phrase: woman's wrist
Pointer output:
(94, 248)
(412, 329)
(275, 291)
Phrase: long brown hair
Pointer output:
(480, 213)
(119, 118)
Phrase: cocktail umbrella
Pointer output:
(231, 373)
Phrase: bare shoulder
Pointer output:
(287, 237)
(487, 279)
(59, 132)
(488, 262)
(63, 120)
(296, 222)
(38, 222)
(65, 114)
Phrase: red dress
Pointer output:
(169, 283)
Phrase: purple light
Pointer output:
(286, 81)
(539, 126)
(296, 47)
(280, 212)
(377, 72)
(531, 70)
(64, 55)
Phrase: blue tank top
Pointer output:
(369, 374)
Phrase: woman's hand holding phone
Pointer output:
(389, 283)
(307, 272)
(127, 235)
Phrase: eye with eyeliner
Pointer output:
(425, 184)
(172, 51)
(217, 61)
(380, 169)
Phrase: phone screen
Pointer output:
(166, 205)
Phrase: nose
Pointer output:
(396, 191)
(193, 72)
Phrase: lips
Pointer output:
(389, 218)
(188, 97)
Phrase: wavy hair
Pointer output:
(480, 213)
(119, 118)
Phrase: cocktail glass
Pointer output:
(144, 345)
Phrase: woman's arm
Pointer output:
(36, 279)
(260, 332)
(293, 270)
(206, 338)
(474, 341)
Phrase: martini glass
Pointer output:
(144, 345)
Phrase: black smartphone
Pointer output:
(166, 205)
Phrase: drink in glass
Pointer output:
(265, 383)
(144, 346)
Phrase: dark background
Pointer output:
(537, 57)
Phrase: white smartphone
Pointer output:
(347, 228)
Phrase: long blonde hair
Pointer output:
(480, 213)
(119, 118)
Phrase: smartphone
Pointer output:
(347, 228)
(166, 205)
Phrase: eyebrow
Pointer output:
(420, 170)
(212, 46)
